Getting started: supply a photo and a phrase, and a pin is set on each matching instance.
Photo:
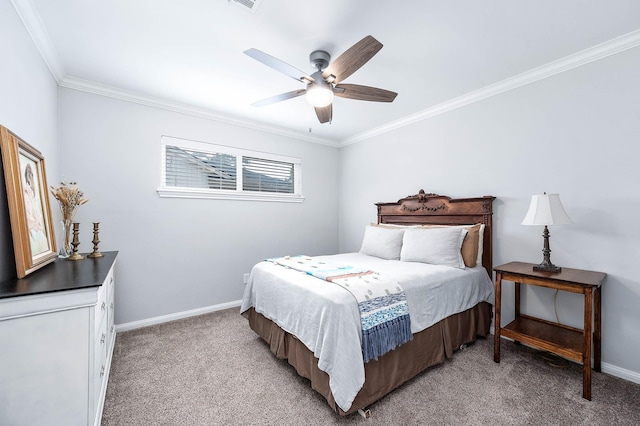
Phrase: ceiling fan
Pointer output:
(324, 83)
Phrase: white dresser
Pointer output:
(56, 343)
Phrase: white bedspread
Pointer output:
(325, 317)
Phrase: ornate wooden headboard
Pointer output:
(437, 209)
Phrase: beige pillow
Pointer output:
(470, 246)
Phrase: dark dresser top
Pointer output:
(61, 275)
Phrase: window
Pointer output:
(200, 170)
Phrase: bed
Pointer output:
(317, 327)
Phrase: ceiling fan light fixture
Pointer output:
(319, 95)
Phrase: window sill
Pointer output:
(228, 195)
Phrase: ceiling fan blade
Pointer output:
(364, 93)
(278, 65)
(324, 113)
(280, 97)
(352, 59)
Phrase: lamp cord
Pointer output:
(552, 359)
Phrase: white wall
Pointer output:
(182, 254)
(28, 97)
(577, 134)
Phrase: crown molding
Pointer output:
(155, 102)
(36, 29)
(32, 22)
(597, 52)
(34, 26)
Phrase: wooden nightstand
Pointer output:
(568, 342)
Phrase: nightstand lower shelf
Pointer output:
(557, 338)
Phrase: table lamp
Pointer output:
(546, 209)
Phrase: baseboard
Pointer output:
(176, 316)
(610, 369)
(614, 370)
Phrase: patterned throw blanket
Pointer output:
(384, 313)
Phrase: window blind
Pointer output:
(267, 175)
(196, 169)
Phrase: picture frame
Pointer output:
(34, 241)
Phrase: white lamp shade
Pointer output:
(319, 95)
(546, 209)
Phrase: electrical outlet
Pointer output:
(245, 278)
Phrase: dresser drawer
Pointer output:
(101, 306)
(100, 356)
(104, 294)
(110, 289)
(110, 318)
(110, 283)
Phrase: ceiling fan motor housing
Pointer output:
(319, 59)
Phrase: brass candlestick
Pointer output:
(75, 243)
(96, 241)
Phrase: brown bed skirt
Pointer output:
(428, 348)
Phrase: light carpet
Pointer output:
(214, 370)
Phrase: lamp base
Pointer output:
(547, 267)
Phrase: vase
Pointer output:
(65, 247)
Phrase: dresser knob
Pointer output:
(104, 336)
(112, 328)
(104, 305)
(102, 372)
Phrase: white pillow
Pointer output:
(480, 245)
(480, 239)
(438, 246)
(382, 242)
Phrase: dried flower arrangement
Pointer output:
(69, 199)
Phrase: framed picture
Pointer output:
(34, 241)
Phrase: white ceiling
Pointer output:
(437, 54)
